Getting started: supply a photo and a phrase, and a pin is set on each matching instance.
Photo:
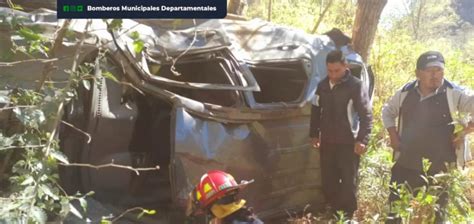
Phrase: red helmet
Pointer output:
(214, 185)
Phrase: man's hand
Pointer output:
(459, 137)
(360, 148)
(395, 142)
(315, 142)
(394, 138)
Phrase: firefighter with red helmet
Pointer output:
(215, 199)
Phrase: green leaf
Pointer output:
(83, 203)
(154, 69)
(17, 7)
(105, 221)
(38, 215)
(75, 211)
(4, 99)
(70, 34)
(29, 190)
(50, 108)
(135, 35)
(58, 155)
(38, 116)
(116, 24)
(425, 179)
(30, 117)
(109, 75)
(138, 46)
(64, 206)
(426, 164)
(429, 199)
(87, 84)
(47, 190)
(29, 34)
(6, 141)
(148, 212)
(177, 23)
(27, 181)
(69, 94)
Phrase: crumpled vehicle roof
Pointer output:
(250, 41)
(262, 140)
(254, 39)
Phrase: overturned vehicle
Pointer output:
(208, 94)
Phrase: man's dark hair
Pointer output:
(336, 56)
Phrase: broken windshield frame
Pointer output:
(359, 70)
(283, 83)
(210, 77)
(246, 80)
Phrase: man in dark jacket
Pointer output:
(341, 121)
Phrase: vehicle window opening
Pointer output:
(356, 70)
(279, 82)
(208, 71)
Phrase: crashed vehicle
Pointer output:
(221, 94)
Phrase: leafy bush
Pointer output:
(420, 205)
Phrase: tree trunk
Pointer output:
(365, 25)
(269, 10)
(417, 18)
(236, 7)
(321, 16)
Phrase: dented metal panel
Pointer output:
(274, 153)
(265, 140)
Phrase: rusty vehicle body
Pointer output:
(239, 101)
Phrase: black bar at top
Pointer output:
(142, 9)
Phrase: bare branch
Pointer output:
(54, 82)
(60, 188)
(112, 164)
(10, 4)
(10, 64)
(58, 41)
(321, 16)
(128, 211)
(73, 69)
(133, 87)
(22, 147)
(174, 60)
(419, 17)
(89, 138)
(79, 46)
(130, 84)
(19, 106)
(56, 123)
(118, 36)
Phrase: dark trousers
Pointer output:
(401, 175)
(339, 169)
